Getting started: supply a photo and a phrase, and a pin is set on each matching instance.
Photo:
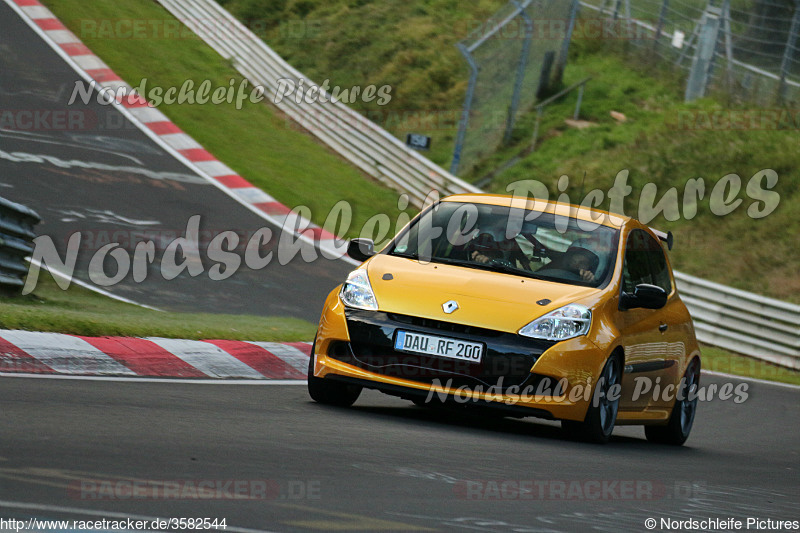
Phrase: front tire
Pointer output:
(602, 414)
(683, 412)
(327, 391)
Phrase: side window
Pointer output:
(644, 262)
(659, 268)
(636, 269)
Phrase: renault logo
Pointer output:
(449, 307)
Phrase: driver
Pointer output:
(576, 260)
(491, 244)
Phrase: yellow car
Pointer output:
(527, 307)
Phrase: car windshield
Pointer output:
(512, 241)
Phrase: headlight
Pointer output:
(565, 323)
(357, 292)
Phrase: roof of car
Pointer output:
(570, 210)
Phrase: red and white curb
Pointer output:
(31, 352)
(158, 127)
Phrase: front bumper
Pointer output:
(506, 362)
(358, 347)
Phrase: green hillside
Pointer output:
(663, 141)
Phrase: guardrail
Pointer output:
(736, 320)
(356, 138)
(743, 322)
(16, 234)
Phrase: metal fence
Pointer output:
(748, 48)
(518, 53)
(743, 322)
(16, 234)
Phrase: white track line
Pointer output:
(171, 381)
(754, 380)
(193, 381)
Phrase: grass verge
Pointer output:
(80, 311)
(718, 360)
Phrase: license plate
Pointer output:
(438, 346)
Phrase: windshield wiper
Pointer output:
(491, 267)
(404, 255)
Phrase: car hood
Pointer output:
(485, 299)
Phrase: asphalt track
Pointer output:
(383, 465)
(144, 193)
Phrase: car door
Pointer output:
(651, 354)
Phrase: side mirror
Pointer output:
(645, 296)
(361, 249)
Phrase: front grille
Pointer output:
(449, 327)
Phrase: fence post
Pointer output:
(580, 101)
(704, 54)
(523, 62)
(726, 29)
(791, 42)
(464, 122)
(562, 58)
(661, 17)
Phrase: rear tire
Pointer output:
(602, 414)
(327, 391)
(683, 412)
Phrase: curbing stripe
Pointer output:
(28, 352)
(180, 141)
(148, 115)
(12, 359)
(61, 37)
(90, 62)
(144, 357)
(208, 359)
(163, 128)
(66, 354)
(253, 195)
(260, 359)
(292, 355)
